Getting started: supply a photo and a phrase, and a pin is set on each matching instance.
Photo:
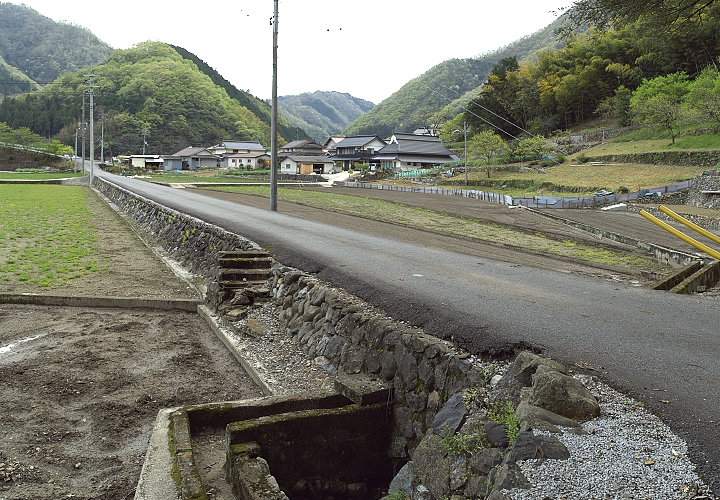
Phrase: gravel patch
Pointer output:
(626, 453)
(286, 368)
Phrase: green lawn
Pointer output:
(586, 178)
(47, 237)
(38, 176)
(444, 223)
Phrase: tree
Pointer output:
(665, 15)
(658, 102)
(617, 106)
(534, 147)
(704, 95)
(484, 146)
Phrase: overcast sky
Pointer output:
(368, 48)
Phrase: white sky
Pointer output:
(368, 48)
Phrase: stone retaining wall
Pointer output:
(343, 334)
(337, 330)
(192, 242)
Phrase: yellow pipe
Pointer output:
(690, 224)
(667, 227)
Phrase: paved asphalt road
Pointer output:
(663, 348)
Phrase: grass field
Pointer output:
(586, 178)
(46, 235)
(421, 218)
(210, 175)
(38, 176)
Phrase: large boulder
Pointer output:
(526, 364)
(432, 465)
(528, 447)
(534, 417)
(452, 415)
(563, 394)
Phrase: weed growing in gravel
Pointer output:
(504, 413)
(46, 235)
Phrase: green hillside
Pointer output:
(286, 128)
(151, 87)
(444, 90)
(323, 114)
(42, 49)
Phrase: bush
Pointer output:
(623, 190)
(582, 158)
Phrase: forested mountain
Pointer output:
(286, 128)
(444, 90)
(34, 47)
(597, 72)
(321, 113)
(150, 87)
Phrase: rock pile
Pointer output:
(477, 438)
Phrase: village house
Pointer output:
(246, 161)
(407, 152)
(191, 158)
(357, 149)
(302, 147)
(305, 164)
(150, 162)
(236, 147)
(330, 146)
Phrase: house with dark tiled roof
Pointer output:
(407, 152)
(356, 149)
(302, 147)
(305, 164)
(191, 158)
(235, 147)
(330, 146)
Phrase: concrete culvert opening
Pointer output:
(339, 453)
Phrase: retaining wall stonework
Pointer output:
(190, 241)
(344, 334)
(337, 330)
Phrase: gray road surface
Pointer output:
(661, 347)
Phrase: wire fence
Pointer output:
(464, 193)
(534, 201)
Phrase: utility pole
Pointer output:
(77, 129)
(274, 117)
(102, 137)
(83, 134)
(91, 86)
(466, 172)
(145, 132)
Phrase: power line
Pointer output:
(488, 110)
(469, 111)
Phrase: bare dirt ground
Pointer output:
(81, 387)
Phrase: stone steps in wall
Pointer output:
(244, 269)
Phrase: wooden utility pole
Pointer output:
(91, 87)
(274, 117)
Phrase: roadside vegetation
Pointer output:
(37, 174)
(429, 220)
(47, 237)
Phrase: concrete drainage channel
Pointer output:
(402, 400)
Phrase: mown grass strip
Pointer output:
(38, 176)
(425, 219)
(47, 236)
